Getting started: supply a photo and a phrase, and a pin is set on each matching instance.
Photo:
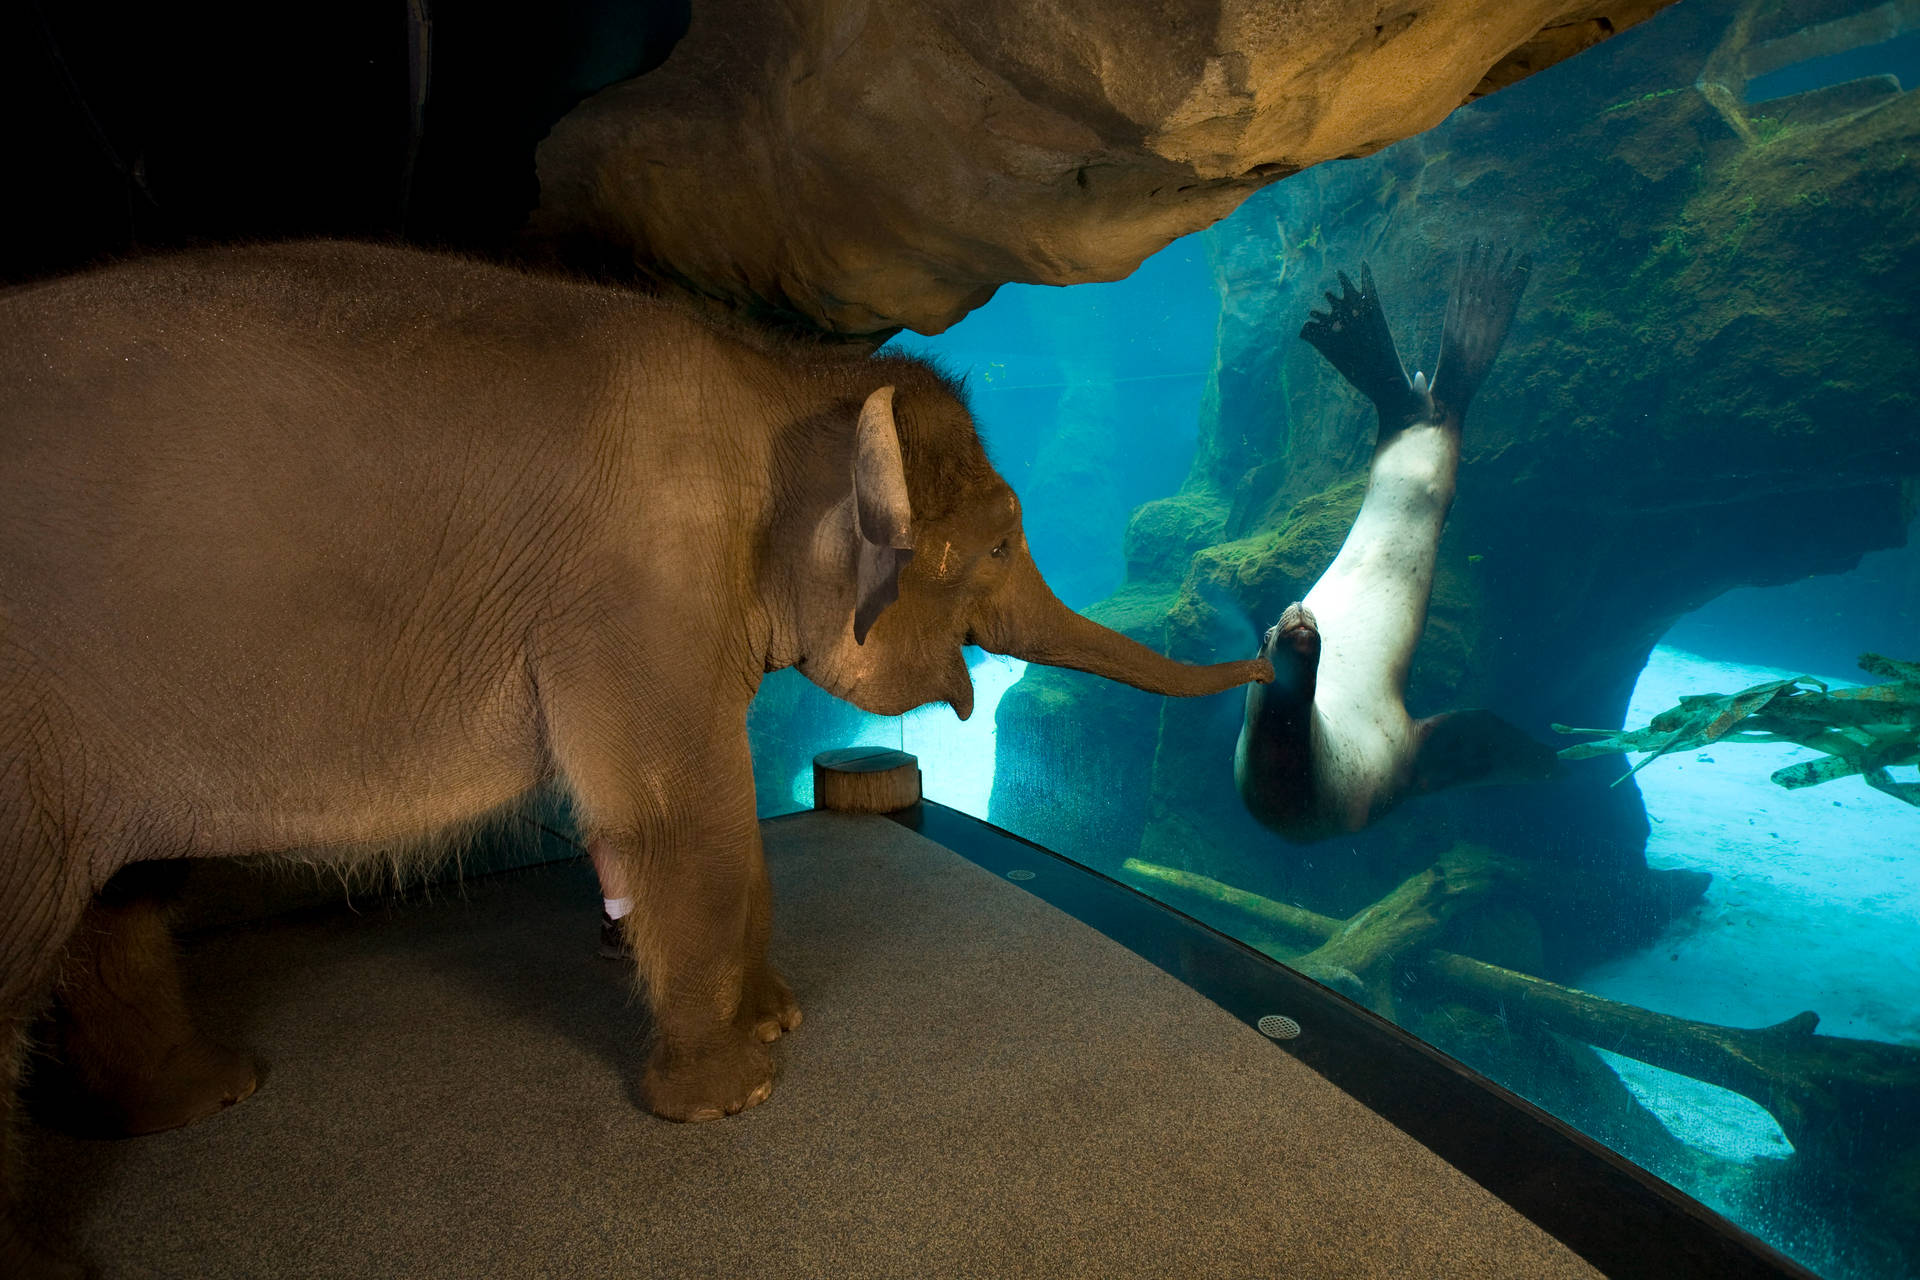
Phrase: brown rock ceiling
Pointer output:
(860, 166)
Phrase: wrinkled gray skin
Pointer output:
(332, 548)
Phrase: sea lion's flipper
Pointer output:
(1471, 748)
(1479, 310)
(1352, 334)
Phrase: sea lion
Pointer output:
(1328, 747)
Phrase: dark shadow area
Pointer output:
(1819, 624)
(142, 126)
(520, 944)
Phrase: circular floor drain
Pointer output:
(1276, 1026)
(1020, 875)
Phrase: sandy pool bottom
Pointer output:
(1815, 904)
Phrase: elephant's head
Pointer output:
(928, 538)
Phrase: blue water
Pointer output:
(1898, 57)
(1088, 399)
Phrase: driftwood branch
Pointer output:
(1823, 1090)
(1829, 1094)
(1864, 731)
(1309, 928)
(1358, 959)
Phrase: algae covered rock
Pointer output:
(1078, 780)
(1165, 533)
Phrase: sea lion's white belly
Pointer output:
(1371, 603)
(1371, 606)
(1360, 755)
(1330, 747)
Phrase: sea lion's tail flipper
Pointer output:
(1352, 334)
(1485, 295)
(1475, 748)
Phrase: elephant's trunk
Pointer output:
(1027, 621)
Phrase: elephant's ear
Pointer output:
(883, 517)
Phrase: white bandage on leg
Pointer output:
(617, 907)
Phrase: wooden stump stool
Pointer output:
(865, 780)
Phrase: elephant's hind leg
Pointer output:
(41, 901)
(136, 1063)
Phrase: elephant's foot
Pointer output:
(137, 1063)
(174, 1086)
(28, 1260)
(193, 1081)
(705, 1084)
(770, 1002)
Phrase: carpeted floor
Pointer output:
(983, 1087)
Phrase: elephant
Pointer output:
(332, 548)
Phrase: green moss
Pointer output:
(1254, 577)
(1297, 549)
(1138, 609)
(1768, 129)
(1046, 695)
(1164, 534)
(1643, 99)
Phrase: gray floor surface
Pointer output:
(982, 1087)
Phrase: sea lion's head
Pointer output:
(1293, 639)
(1292, 645)
(1272, 762)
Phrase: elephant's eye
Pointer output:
(1000, 551)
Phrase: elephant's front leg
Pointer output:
(768, 996)
(771, 1000)
(682, 825)
(689, 929)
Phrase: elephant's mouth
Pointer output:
(890, 697)
(959, 685)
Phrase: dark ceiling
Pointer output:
(140, 125)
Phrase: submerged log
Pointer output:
(1309, 927)
(1831, 1095)
(1359, 958)
(1834, 1097)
